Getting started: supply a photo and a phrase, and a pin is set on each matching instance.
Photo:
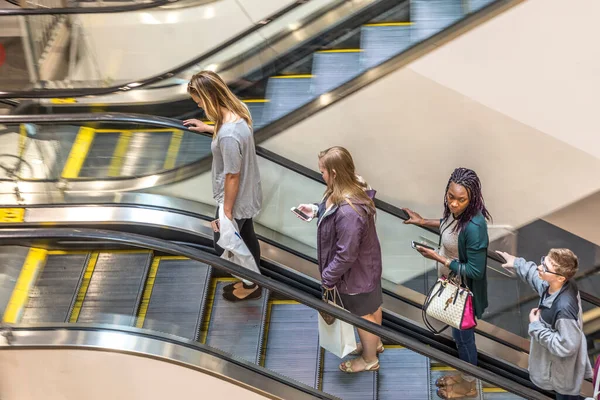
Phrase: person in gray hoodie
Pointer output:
(558, 357)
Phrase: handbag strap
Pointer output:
(334, 294)
(428, 324)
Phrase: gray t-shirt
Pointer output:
(233, 152)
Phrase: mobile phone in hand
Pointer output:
(415, 244)
(301, 214)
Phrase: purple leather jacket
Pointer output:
(348, 248)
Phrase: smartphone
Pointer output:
(299, 213)
(415, 244)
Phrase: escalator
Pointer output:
(301, 59)
(176, 295)
(65, 200)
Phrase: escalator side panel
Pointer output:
(52, 297)
(236, 328)
(403, 371)
(292, 346)
(360, 386)
(177, 301)
(146, 153)
(114, 292)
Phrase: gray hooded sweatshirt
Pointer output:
(558, 358)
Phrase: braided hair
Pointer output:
(468, 179)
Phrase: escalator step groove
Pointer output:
(235, 328)
(51, 298)
(176, 303)
(115, 288)
(403, 371)
(292, 344)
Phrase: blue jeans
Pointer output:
(465, 343)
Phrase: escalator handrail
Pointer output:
(82, 92)
(267, 154)
(21, 235)
(7, 12)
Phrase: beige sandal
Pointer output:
(448, 392)
(358, 351)
(346, 366)
(448, 380)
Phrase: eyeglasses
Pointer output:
(545, 267)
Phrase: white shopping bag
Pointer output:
(230, 240)
(337, 338)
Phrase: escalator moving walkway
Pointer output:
(182, 297)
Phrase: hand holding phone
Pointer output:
(301, 212)
(415, 244)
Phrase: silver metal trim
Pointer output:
(138, 343)
(131, 215)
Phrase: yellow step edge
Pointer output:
(12, 215)
(147, 292)
(174, 258)
(32, 267)
(108, 251)
(78, 153)
(390, 24)
(173, 150)
(119, 131)
(393, 346)
(256, 101)
(263, 351)
(65, 100)
(284, 302)
(119, 154)
(442, 368)
(299, 76)
(22, 139)
(493, 390)
(225, 279)
(340, 51)
(210, 300)
(66, 252)
(85, 284)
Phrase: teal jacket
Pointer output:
(472, 253)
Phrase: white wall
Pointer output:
(91, 375)
(538, 63)
(135, 45)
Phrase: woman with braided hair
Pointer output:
(464, 243)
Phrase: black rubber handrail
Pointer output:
(20, 235)
(143, 119)
(82, 92)
(5, 12)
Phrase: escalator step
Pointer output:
(236, 328)
(360, 386)
(285, 94)
(379, 43)
(177, 299)
(403, 371)
(292, 343)
(99, 157)
(115, 288)
(146, 153)
(332, 69)
(51, 298)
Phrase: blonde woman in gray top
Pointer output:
(235, 175)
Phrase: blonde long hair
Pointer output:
(208, 87)
(344, 185)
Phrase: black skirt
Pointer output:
(363, 303)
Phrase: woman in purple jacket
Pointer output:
(348, 249)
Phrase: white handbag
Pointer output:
(450, 303)
(336, 336)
